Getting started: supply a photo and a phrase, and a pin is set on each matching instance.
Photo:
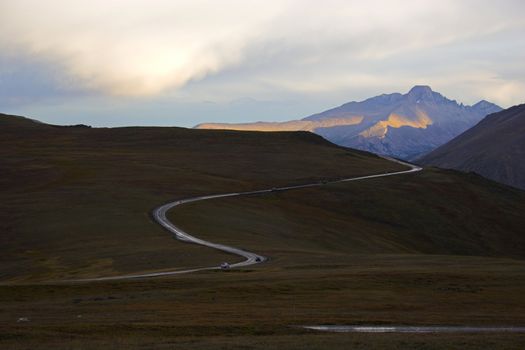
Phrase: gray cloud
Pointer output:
(281, 52)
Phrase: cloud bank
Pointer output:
(225, 50)
(132, 47)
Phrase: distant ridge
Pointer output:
(8, 120)
(294, 125)
(406, 126)
(494, 148)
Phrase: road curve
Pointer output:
(159, 215)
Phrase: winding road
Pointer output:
(159, 215)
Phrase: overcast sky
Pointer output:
(145, 62)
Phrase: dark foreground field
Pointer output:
(254, 309)
(432, 248)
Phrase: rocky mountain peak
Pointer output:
(401, 125)
(421, 92)
(486, 107)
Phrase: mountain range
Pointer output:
(494, 148)
(405, 126)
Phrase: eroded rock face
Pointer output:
(404, 126)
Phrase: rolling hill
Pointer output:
(432, 247)
(404, 126)
(494, 148)
(75, 200)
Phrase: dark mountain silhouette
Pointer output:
(494, 148)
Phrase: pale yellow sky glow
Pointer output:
(265, 50)
(132, 47)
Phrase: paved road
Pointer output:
(159, 215)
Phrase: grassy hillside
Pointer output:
(433, 212)
(494, 148)
(435, 247)
(75, 201)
